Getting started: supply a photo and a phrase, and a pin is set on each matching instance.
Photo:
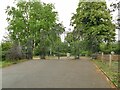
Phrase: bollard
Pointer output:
(102, 57)
(110, 60)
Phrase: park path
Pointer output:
(54, 74)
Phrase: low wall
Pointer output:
(106, 57)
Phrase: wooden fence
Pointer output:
(106, 57)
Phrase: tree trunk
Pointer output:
(43, 53)
(58, 54)
(30, 49)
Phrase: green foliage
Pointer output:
(33, 25)
(5, 47)
(74, 44)
(92, 24)
(62, 48)
(107, 48)
(85, 53)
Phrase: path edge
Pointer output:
(106, 76)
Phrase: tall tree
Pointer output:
(116, 7)
(31, 24)
(93, 23)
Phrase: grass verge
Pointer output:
(9, 62)
(110, 71)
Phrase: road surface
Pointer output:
(54, 74)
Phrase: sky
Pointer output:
(65, 8)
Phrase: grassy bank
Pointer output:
(110, 71)
(9, 62)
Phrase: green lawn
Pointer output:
(111, 72)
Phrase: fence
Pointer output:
(109, 63)
(106, 57)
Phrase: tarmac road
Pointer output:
(54, 74)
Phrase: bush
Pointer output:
(5, 47)
(85, 53)
(4, 55)
(59, 53)
(15, 52)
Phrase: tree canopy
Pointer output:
(33, 24)
(92, 23)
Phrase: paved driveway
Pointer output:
(54, 74)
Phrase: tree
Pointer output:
(114, 7)
(32, 24)
(113, 47)
(92, 22)
(19, 25)
(73, 41)
(5, 46)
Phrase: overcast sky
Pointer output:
(65, 8)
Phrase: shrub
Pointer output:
(85, 53)
(15, 52)
(5, 47)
